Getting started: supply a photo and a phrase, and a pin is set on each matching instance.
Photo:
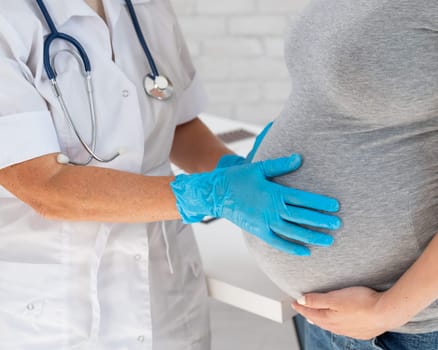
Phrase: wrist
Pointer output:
(228, 160)
(391, 313)
(196, 196)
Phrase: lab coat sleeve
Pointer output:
(193, 99)
(26, 127)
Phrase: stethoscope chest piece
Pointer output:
(158, 87)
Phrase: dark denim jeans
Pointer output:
(315, 338)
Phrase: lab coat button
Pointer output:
(125, 93)
(137, 257)
(140, 339)
(30, 306)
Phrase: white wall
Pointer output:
(237, 47)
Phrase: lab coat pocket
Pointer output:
(178, 294)
(73, 88)
(194, 288)
(32, 302)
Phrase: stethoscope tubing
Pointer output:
(152, 86)
(51, 74)
(141, 39)
(54, 34)
(47, 16)
(81, 55)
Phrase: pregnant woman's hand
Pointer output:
(246, 196)
(354, 312)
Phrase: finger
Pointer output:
(281, 166)
(309, 200)
(257, 142)
(300, 234)
(317, 316)
(284, 245)
(318, 301)
(311, 218)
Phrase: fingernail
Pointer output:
(296, 157)
(301, 300)
(302, 251)
(338, 224)
(328, 241)
(335, 223)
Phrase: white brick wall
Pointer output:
(237, 47)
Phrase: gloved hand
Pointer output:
(244, 195)
(233, 159)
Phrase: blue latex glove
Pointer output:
(244, 195)
(233, 159)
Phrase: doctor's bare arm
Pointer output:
(195, 148)
(86, 193)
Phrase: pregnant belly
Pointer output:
(377, 242)
(368, 251)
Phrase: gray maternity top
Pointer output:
(363, 112)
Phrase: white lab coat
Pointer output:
(66, 285)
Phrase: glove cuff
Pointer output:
(230, 160)
(196, 196)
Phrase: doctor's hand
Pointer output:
(234, 159)
(246, 196)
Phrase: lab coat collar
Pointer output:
(62, 11)
(114, 7)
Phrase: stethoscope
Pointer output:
(156, 85)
